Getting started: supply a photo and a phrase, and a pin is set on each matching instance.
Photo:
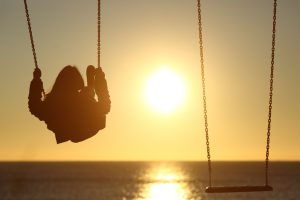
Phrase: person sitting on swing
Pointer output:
(70, 109)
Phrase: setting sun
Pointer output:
(165, 90)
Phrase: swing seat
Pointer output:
(225, 189)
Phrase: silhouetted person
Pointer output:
(70, 109)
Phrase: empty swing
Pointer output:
(223, 189)
(70, 109)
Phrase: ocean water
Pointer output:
(143, 180)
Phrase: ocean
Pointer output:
(143, 180)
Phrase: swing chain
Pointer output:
(271, 91)
(204, 90)
(98, 27)
(30, 34)
(37, 72)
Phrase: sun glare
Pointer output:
(165, 90)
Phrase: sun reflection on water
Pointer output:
(164, 191)
(167, 184)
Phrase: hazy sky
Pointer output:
(138, 37)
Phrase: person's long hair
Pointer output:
(68, 81)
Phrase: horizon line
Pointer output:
(263, 161)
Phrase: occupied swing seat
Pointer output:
(75, 117)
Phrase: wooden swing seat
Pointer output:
(225, 189)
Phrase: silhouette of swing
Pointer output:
(70, 109)
(224, 189)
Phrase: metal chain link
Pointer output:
(98, 27)
(30, 34)
(271, 92)
(204, 90)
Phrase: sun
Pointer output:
(165, 91)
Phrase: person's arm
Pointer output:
(102, 91)
(92, 117)
(35, 103)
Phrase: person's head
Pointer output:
(69, 80)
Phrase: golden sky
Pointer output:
(138, 38)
